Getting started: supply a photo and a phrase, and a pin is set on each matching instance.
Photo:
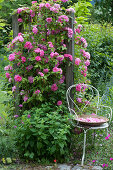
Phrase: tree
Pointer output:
(103, 11)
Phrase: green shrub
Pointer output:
(43, 134)
(100, 46)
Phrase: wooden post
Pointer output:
(70, 50)
(15, 28)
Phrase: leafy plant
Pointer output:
(42, 133)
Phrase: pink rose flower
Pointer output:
(37, 58)
(45, 70)
(62, 80)
(83, 40)
(23, 59)
(50, 44)
(19, 10)
(47, 5)
(34, 30)
(37, 92)
(78, 87)
(49, 20)
(20, 38)
(33, 2)
(77, 61)
(18, 78)
(20, 20)
(59, 103)
(60, 58)
(41, 74)
(28, 116)
(41, 53)
(20, 105)
(37, 50)
(7, 75)
(87, 62)
(79, 100)
(63, 18)
(54, 87)
(68, 56)
(13, 88)
(70, 10)
(6, 68)
(12, 57)
(25, 98)
(28, 45)
(32, 13)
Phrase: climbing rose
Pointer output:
(45, 70)
(59, 103)
(13, 88)
(28, 45)
(37, 92)
(20, 105)
(20, 20)
(33, 2)
(68, 56)
(18, 78)
(47, 5)
(70, 10)
(23, 59)
(78, 87)
(77, 61)
(49, 20)
(62, 80)
(7, 75)
(79, 100)
(41, 74)
(37, 58)
(34, 30)
(25, 98)
(63, 17)
(19, 10)
(8, 68)
(54, 87)
(28, 116)
(87, 62)
(41, 53)
(12, 57)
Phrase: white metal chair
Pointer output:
(71, 96)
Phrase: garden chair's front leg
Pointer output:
(83, 156)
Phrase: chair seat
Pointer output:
(102, 126)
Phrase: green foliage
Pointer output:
(102, 12)
(44, 135)
(82, 11)
(100, 46)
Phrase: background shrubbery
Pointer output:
(100, 46)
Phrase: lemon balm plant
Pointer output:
(38, 70)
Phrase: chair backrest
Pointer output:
(75, 101)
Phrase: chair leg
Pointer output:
(83, 156)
